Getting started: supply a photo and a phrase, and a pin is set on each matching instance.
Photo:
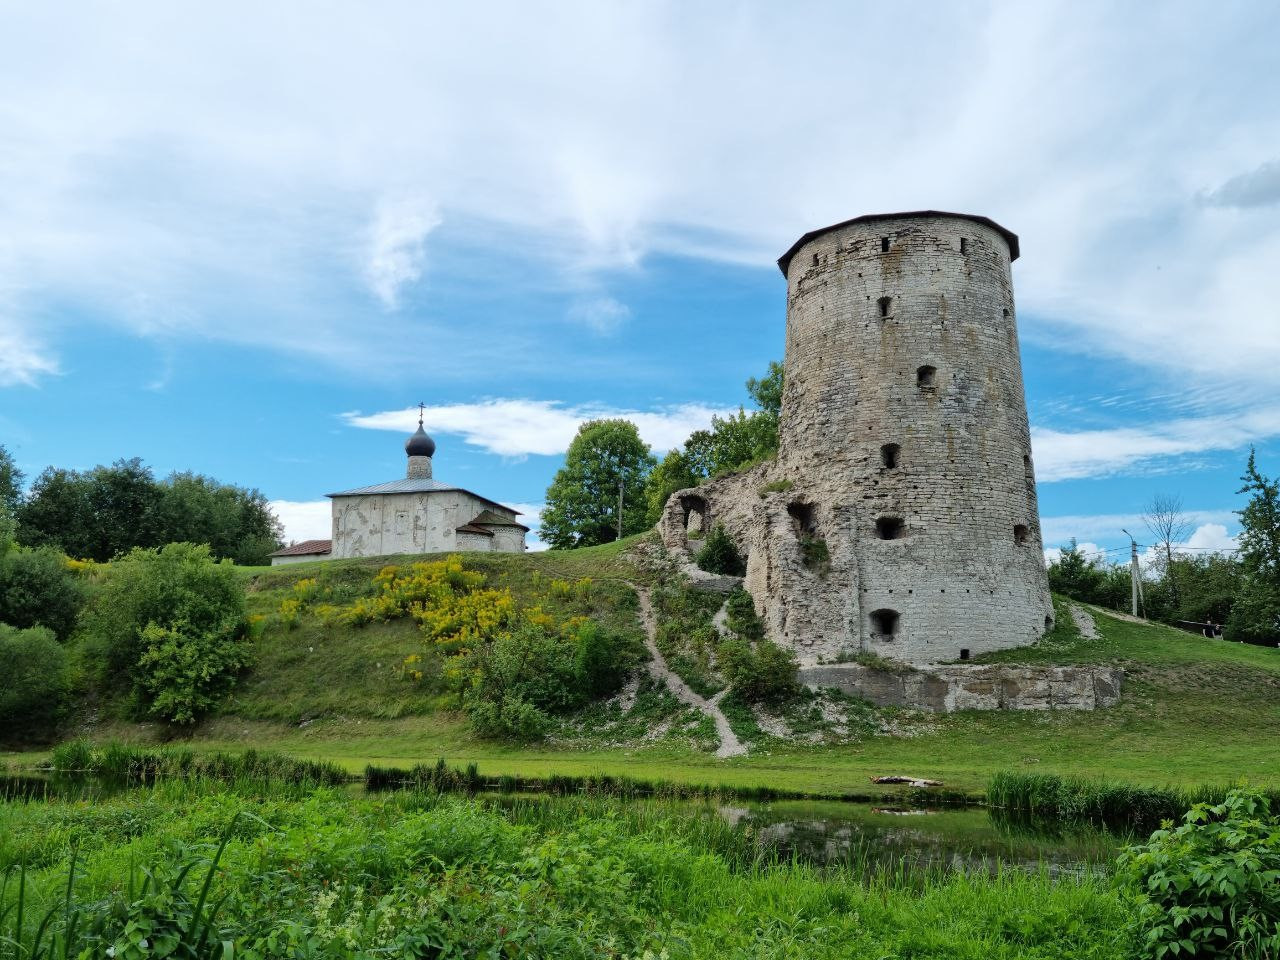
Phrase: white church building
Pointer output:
(419, 514)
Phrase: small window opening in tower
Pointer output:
(889, 454)
(1005, 313)
(1048, 624)
(1020, 534)
(964, 245)
(964, 653)
(890, 528)
(884, 624)
(884, 244)
(815, 259)
(925, 377)
(885, 303)
(803, 518)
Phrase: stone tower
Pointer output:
(900, 515)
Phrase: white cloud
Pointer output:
(517, 428)
(594, 135)
(1110, 526)
(1065, 455)
(22, 359)
(397, 246)
(304, 519)
(1212, 537)
(602, 314)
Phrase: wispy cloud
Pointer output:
(518, 428)
(1255, 188)
(23, 359)
(1109, 527)
(397, 245)
(602, 314)
(1067, 455)
(236, 201)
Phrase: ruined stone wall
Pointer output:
(945, 689)
(910, 525)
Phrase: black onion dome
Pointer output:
(420, 445)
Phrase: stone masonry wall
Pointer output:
(905, 444)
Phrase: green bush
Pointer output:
(720, 555)
(33, 694)
(760, 673)
(1210, 887)
(169, 626)
(38, 589)
(530, 673)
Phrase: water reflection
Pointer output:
(901, 840)
(914, 840)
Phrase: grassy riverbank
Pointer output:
(419, 874)
(1194, 711)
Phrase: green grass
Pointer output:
(420, 874)
(1193, 712)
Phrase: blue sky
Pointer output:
(247, 240)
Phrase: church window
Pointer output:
(889, 454)
(964, 245)
(925, 377)
(885, 303)
(884, 244)
(1020, 534)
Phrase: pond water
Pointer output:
(904, 840)
(913, 839)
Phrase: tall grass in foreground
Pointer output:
(1117, 806)
(127, 765)
(423, 874)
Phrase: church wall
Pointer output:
(508, 539)
(475, 541)
(393, 523)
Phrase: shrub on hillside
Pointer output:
(169, 626)
(37, 588)
(758, 670)
(720, 555)
(531, 672)
(34, 692)
(1210, 887)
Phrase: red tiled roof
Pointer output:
(306, 548)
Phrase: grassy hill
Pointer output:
(1193, 710)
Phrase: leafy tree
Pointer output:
(36, 682)
(675, 472)
(168, 625)
(235, 522)
(1256, 615)
(10, 483)
(767, 392)
(733, 443)
(37, 589)
(8, 530)
(582, 501)
(1072, 574)
(99, 513)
